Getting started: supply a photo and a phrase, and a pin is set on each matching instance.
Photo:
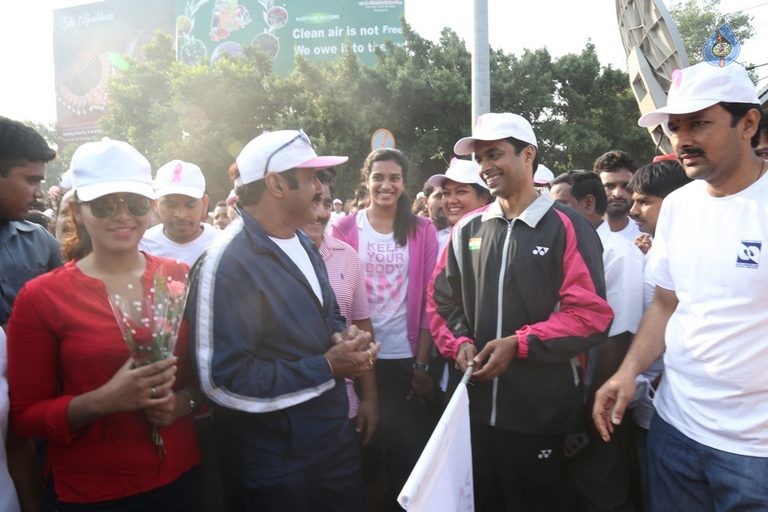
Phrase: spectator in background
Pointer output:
(221, 215)
(63, 223)
(615, 169)
(462, 191)
(542, 178)
(346, 278)
(434, 205)
(338, 211)
(397, 250)
(182, 205)
(649, 186)
(26, 249)
(601, 471)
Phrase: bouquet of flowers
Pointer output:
(150, 326)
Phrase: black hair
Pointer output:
(520, 145)
(764, 123)
(739, 110)
(327, 177)
(584, 183)
(251, 193)
(658, 179)
(614, 161)
(220, 204)
(21, 144)
(405, 220)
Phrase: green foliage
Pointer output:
(697, 21)
(421, 91)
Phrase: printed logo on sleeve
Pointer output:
(749, 254)
(474, 244)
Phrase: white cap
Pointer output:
(232, 198)
(701, 86)
(495, 127)
(460, 171)
(66, 179)
(337, 201)
(543, 176)
(110, 166)
(282, 150)
(179, 177)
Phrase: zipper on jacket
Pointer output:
(499, 311)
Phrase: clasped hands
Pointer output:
(353, 353)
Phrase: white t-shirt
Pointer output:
(630, 232)
(709, 252)
(443, 236)
(8, 499)
(293, 249)
(623, 264)
(155, 242)
(385, 267)
(642, 403)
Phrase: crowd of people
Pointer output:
(612, 319)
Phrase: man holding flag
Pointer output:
(518, 294)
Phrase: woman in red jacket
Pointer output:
(72, 382)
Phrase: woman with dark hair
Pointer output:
(72, 382)
(398, 251)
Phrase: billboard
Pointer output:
(318, 30)
(90, 43)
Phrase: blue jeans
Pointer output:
(686, 475)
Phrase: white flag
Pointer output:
(442, 478)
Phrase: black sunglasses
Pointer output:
(106, 206)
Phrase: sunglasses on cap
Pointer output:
(301, 135)
(106, 206)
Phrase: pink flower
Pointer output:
(176, 289)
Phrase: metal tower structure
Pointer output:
(654, 49)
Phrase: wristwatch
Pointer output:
(421, 367)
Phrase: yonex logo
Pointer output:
(749, 254)
(544, 454)
(540, 251)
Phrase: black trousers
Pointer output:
(333, 483)
(514, 471)
(404, 429)
(181, 495)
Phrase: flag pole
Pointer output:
(467, 374)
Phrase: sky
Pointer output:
(562, 26)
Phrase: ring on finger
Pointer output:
(153, 392)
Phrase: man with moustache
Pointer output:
(518, 294)
(615, 169)
(182, 205)
(708, 441)
(272, 348)
(346, 279)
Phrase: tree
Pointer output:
(420, 91)
(697, 21)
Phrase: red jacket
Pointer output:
(63, 340)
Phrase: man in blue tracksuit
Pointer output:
(271, 347)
